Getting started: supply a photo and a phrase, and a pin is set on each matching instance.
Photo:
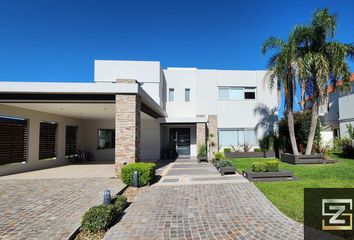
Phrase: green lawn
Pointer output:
(288, 195)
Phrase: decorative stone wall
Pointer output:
(201, 134)
(128, 128)
(213, 134)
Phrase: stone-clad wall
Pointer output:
(128, 128)
(201, 134)
(213, 131)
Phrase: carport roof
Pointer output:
(44, 92)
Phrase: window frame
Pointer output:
(55, 143)
(11, 124)
(187, 90)
(244, 130)
(171, 90)
(244, 89)
(112, 145)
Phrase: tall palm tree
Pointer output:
(282, 73)
(321, 62)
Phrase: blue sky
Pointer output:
(58, 40)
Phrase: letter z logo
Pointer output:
(337, 210)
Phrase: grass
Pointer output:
(288, 196)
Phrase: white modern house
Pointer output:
(337, 113)
(134, 110)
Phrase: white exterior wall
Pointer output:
(147, 73)
(34, 118)
(346, 111)
(150, 139)
(204, 96)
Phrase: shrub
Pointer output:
(258, 166)
(98, 218)
(219, 155)
(343, 146)
(146, 173)
(224, 163)
(302, 123)
(257, 150)
(119, 202)
(246, 147)
(272, 166)
(202, 150)
(227, 150)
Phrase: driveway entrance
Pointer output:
(48, 204)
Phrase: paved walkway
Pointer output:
(212, 208)
(37, 205)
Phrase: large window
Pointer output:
(171, 94)
(70, 140)
(237, 137)
(13, 140)
(187, 95)
(236, 93)
(47, 140)
(106, 138)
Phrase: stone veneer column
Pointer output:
(213, 131)
(128, 128)
(201, 134)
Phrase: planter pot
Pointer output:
(227, 169)
(304, 159)
(202, 158)
(268, 176)
(264, 154)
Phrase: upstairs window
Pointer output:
(236, 93)
(187, 94)
(171, 94)
(47, 140)
(13, 140)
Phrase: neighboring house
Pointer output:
(337, 113)
(133, 111)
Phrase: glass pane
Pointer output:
(171, 94)
(227, 138)
(106, 138)
(250, 137)
(236, 94)
(187, 95)
(223, 93)
(241, 137)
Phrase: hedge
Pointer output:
(258, 167)
(266, 166)
(119, 202)
(98, 218)
(146, 173)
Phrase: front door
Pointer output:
(181, 138)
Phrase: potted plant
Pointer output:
(225, 166)
(202, 153)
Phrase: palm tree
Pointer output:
(321, 62)
(282, 73)
(268, 119)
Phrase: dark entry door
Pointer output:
(181, 138)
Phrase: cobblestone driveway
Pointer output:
(218, 210)
(48, 208)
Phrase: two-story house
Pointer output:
(131, 112)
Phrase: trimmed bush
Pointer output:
(98, 218)
(224, 163)
(272, 166)
(257, 150)
(219, 155)
(258, 167)
(227, 150)
(119, 202)
(146, 173)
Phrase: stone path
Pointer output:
(40, 208)
(211, 207)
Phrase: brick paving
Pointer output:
(218, 210)
(48, 208)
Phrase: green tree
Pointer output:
(321, 61)
(282, 73)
